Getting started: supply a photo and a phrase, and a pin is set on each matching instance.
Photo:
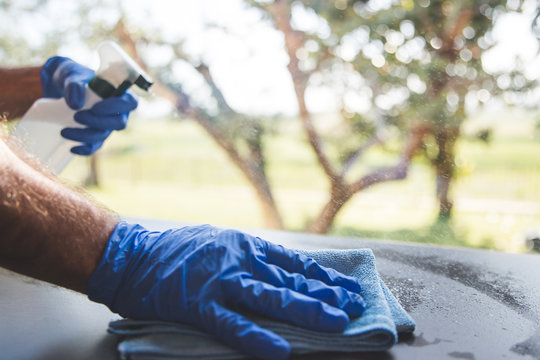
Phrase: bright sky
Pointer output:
(248, 60)
(237, 57)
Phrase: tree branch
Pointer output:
(223, 105)
(398, 171)
(357, 154)
(279, 10)
(449, 35)
(254, 172)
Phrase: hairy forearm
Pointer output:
(48, 231)
(19, 88)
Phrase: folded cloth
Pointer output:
(376, 330)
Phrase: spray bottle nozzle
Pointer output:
(143, 82)
(117, 72)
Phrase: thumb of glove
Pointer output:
(63, 77)
(74, 90)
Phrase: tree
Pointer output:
(252, 166)
(238, 135)
(420, 61)
(402, 68)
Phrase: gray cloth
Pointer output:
(375, 330)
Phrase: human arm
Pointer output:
(198, 275)
(19, 88)
(48, 231)
(62, 77)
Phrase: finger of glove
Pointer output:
(58, 72)
(296, 262)
(72, 78)
(115, 105)
(285, 304)
(85, 135)
(86, 149)
(351, 302)
(101, 122)
(240, 333)
(74, 90)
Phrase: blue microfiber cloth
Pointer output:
(376, 330)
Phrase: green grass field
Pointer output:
(172, 170)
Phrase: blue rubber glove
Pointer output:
(63, 77)
(203, 276)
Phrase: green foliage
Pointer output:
(178, 173)
(389, 66)
(430, 50)
(426, 52)
(421, 62)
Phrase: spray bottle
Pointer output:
(39, 128)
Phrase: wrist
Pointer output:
(19, 88)
(120, 252)
(48, 231)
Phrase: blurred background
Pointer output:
(391, 119)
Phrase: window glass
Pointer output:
(405, 120)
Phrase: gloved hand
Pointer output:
(63, 77)
(203, 276)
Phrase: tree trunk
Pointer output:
(271, 216)
(93, 176)
(444, 166)
(339, 195)
(342, 192)
(253, 169)
(255, 176)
